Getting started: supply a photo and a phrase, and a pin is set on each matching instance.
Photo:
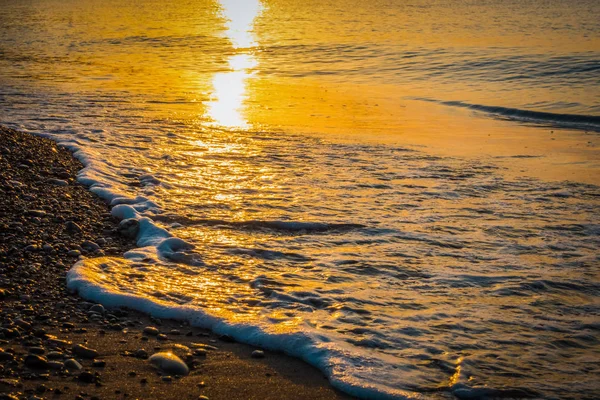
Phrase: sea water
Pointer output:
(402, 193)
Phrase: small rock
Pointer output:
(72, 227)
(258, 354)
(36, 362)
(84, 352)
(58, 182)
(5, 356)
(202, 398)
(37, 350)
(150, 330)
(74, 253)
(99, 308)
(37, 213)
(72, 365)
(86, 377)
(169, 363)
(90, 246)
(129, 228)
(141, 353)
(167, 378)
(55, 365)
(162, 336)
(99, 364)
(55, 355)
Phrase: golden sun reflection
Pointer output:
(229, 88)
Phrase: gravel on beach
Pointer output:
(55, 345)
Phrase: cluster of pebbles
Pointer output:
(47, 221)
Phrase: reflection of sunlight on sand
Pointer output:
(229, 88)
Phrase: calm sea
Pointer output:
(403, 193)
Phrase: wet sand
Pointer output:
(47, 221)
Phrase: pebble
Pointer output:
(150, 330)
(86, 377)
(258, 354)
(84, 352)
(202, 398)
(37, 350)
(71, 226)
(99, 308)
(169, 363)
(55, 355)
(74, 253)
(5, 356)
(55, 365)
(90, 246)
(36, 362)
(162, 336)
(37, 213)
(58, 182)
(99, 364)
(129, 228)
(141, 353)
(72, 365)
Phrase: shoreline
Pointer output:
(47, 220)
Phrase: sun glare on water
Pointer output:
(225, 108)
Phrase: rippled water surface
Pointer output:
(403, 193)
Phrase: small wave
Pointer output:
(578, 121)
(275, 225)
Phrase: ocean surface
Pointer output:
(403, 193)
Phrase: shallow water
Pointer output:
(404, 194)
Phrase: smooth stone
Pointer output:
(162, 336)
(37, 213)
(36, 362)
(150, 330)
(258, 354)
(99, 364)
(72, 227)
(56, 365)
(74, 253)
(5, 356)
(89, 245)
(55, 355)
(58, 182)
(129, 228)
(84, 352)
(141, 353)
(37, 350)
(86, 377)
(169, 363)
(99, 308)
(72, 365)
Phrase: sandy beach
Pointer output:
(53, 344)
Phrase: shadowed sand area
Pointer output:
(46, 219)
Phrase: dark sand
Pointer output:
(46, 219)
